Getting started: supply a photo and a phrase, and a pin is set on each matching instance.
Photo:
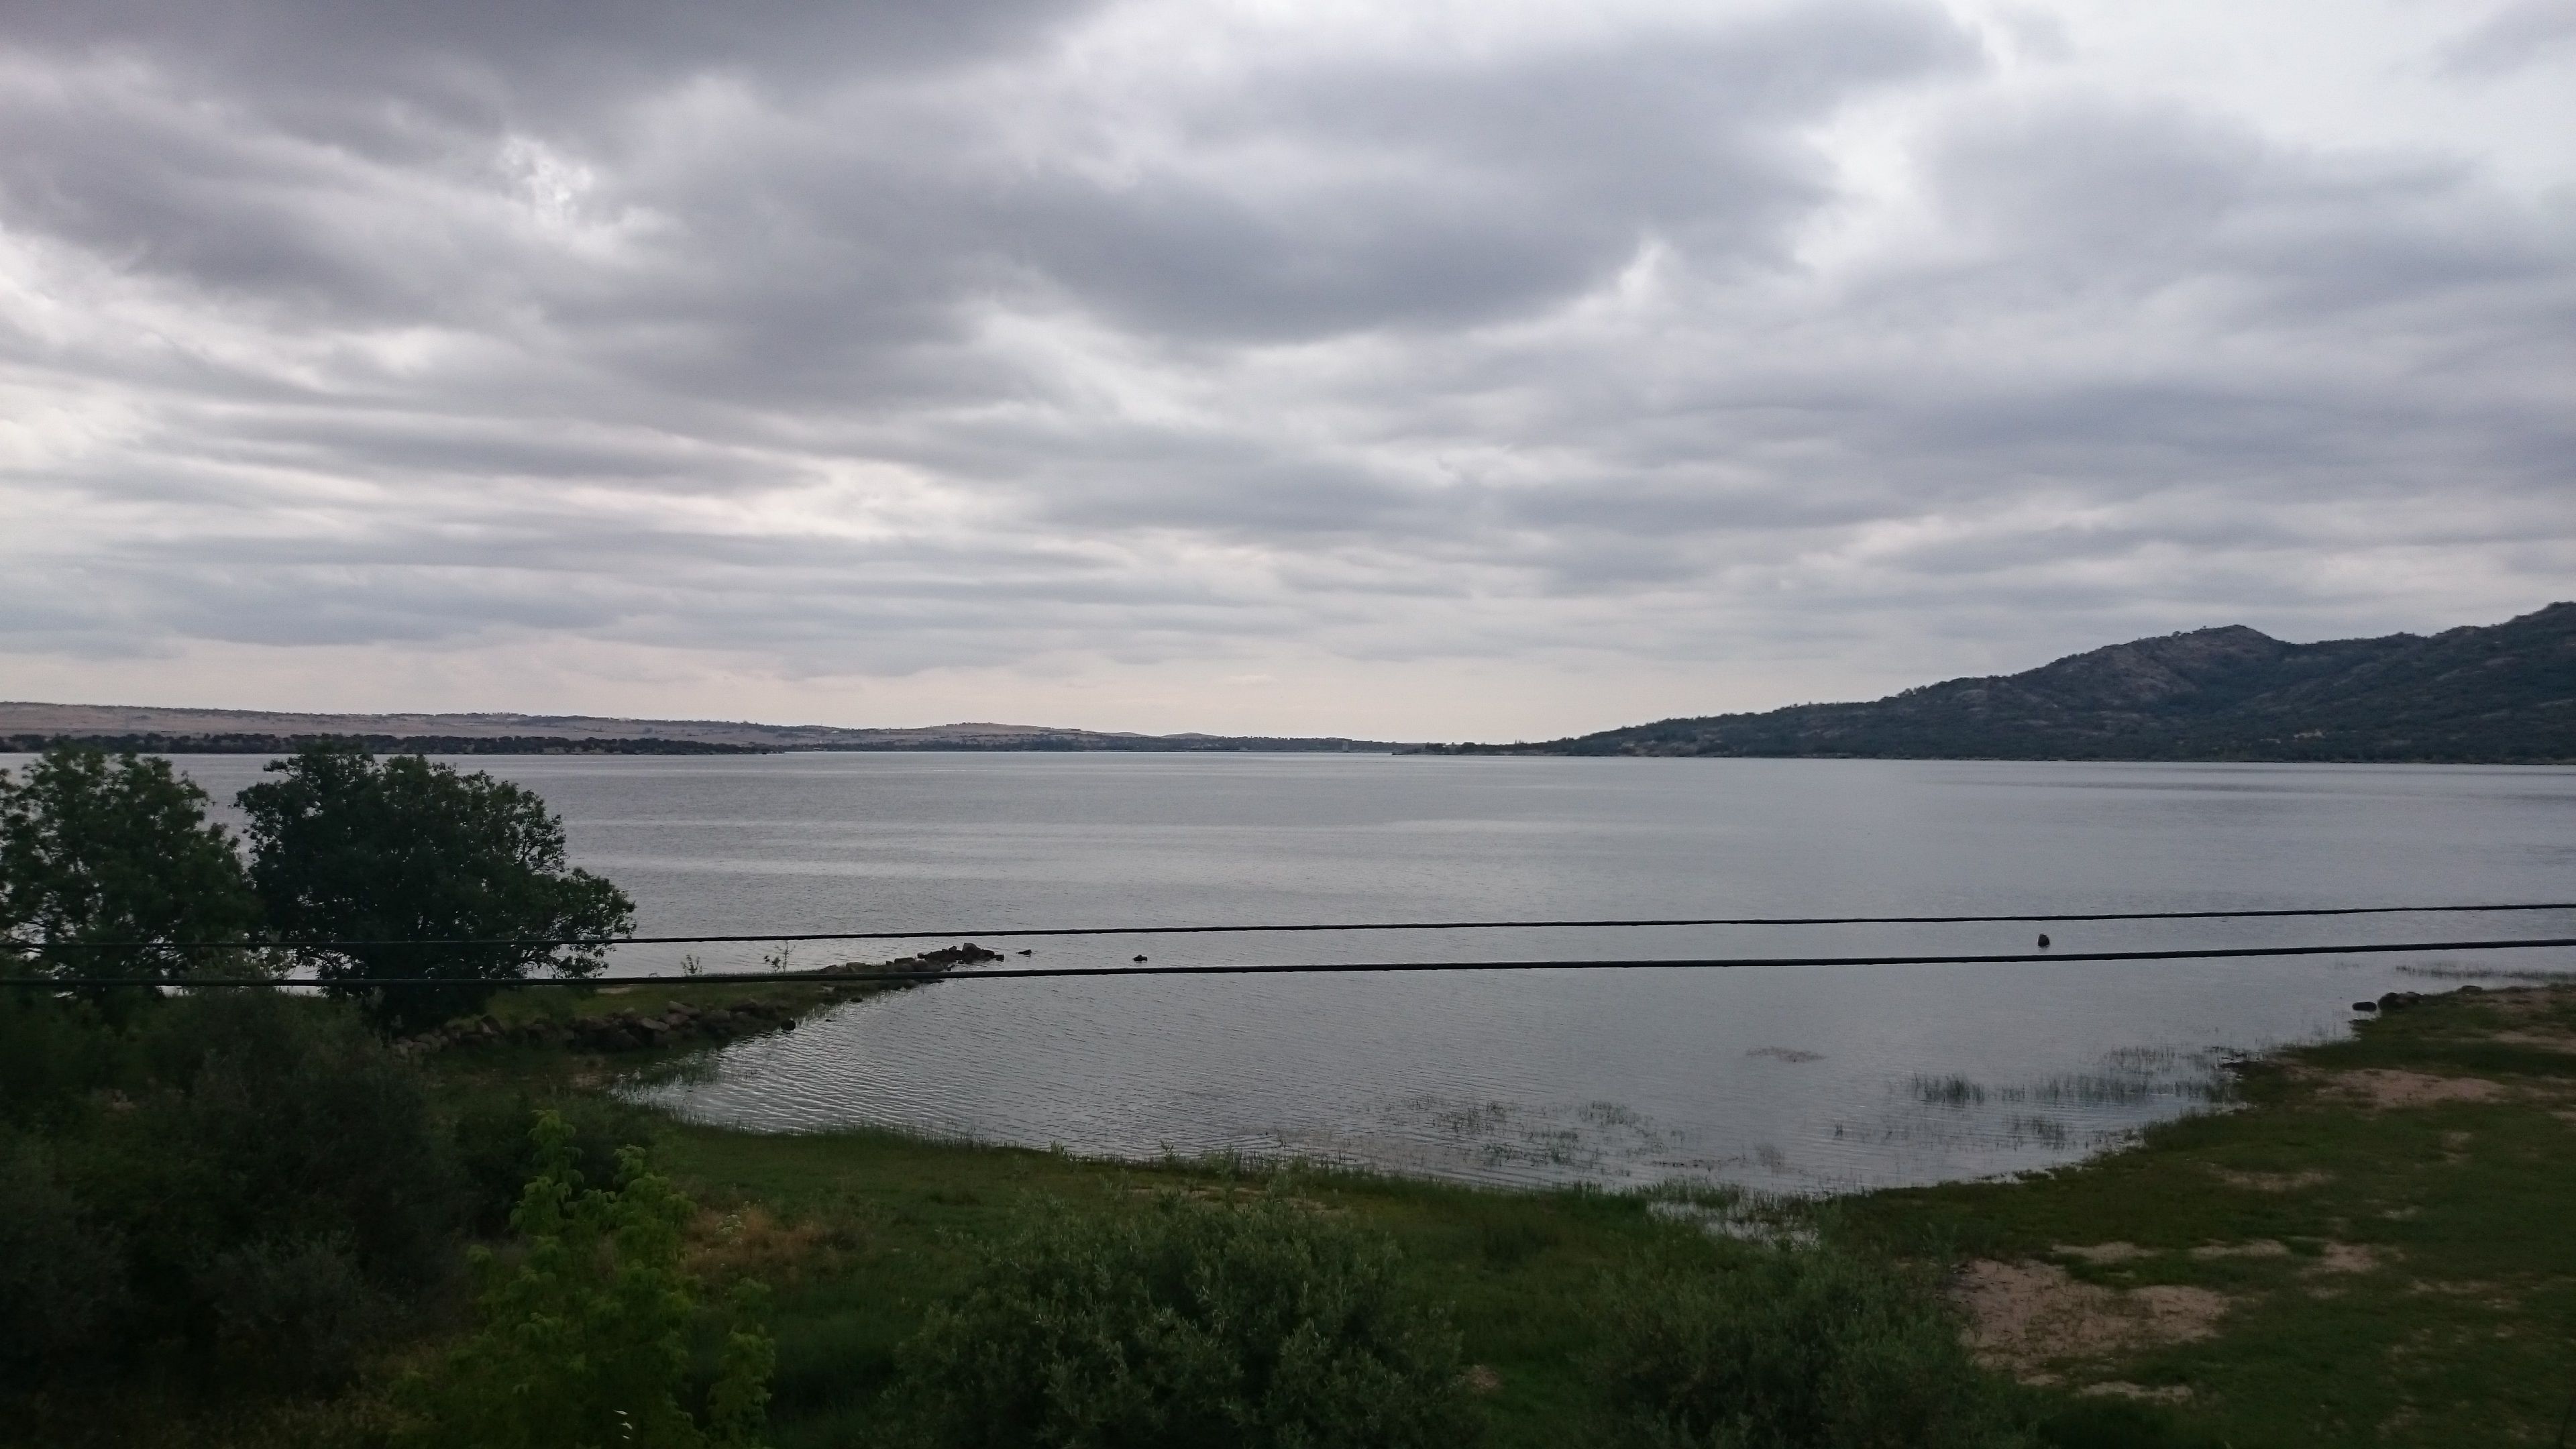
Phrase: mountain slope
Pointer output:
(2504, 692)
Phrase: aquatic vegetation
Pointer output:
(1950, 1091)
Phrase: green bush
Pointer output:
(276, 1120)
(261, 1190)
(585, 1337)
(235, 1190)
(54, 1050)
(1810, 1348)
(62, 1276)
(497, 1155)
(291, 1314)
(1186, 1324)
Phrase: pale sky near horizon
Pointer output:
(1491, 370)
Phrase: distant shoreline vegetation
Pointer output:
(262, 744)
(255, 743)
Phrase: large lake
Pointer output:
(1783, 1079)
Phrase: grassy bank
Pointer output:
(2371, 1248)
(2378, 1248)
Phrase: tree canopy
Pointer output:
(97, 848)
(351, 849)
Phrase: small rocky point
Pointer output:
(682, 1024)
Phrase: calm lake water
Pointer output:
(1787, 1080)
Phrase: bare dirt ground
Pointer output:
(2029, 1319)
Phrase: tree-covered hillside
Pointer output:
(2506, 692)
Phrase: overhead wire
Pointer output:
(1029, 932)
(1024, 973)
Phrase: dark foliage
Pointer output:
(54, 1049)
(404, 850)
(1187, 1324)
(291, 1313)
(585, 1333)
(235, 1192)
(2106, 1423)
(281, 1121)
(253, 743)
(97, 848)
(498, 1157)
(1793, 1349)
(62, 1273)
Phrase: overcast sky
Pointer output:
(1458, 370)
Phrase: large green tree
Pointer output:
(416, 871)
(97, 848)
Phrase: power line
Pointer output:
(1222, 930)
(1026, 973)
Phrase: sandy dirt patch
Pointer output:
(2024, 1317)
(2345, 1258)
(750, 1240)
(2259, 1248)
(2390, 1090)
(2103, 1252)
(2122, 1389)
(2273, 1181)
(2553, 1041)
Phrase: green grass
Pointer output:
(2460, 1328)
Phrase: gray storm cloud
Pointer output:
(1812, 347)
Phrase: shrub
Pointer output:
(53, 1050)
(1187, 1324)
(276, 1184)
(62, 1277)
(584, 1342)
(497, 1155)
(1811, 1348)
(403, 850)
(291, 1314)
(280, 1120)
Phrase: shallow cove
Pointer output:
(1788, 1080)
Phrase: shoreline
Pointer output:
(2365, 1247)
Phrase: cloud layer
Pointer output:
(1440, 371)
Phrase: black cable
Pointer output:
(1024, 973)
(535, 941)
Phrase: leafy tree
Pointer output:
(97, 848)
(586, 1342)
(1188, 1324)
(400, 851)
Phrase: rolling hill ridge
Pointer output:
(2497, 693)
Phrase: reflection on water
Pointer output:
(1789, 1080)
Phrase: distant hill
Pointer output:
(2501, 693)
(27, 726)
